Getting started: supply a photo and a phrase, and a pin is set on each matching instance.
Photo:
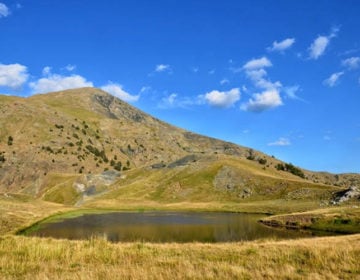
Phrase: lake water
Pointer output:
(166, 227)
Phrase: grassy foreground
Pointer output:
(319, 258)
(36, 258)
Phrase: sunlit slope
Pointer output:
(57, 147)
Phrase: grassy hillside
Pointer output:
(56, 147)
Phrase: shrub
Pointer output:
(251, 155)
(59, 126)
(118, 166)
(10, 140)
(288, 167)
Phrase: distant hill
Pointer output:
(68, 146)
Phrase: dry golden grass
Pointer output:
(318, 258)
(36, 258)
(18, 211)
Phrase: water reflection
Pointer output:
(166, 227)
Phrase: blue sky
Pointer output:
(280, 76)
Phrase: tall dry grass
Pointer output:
(318, 258)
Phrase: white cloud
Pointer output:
(318, 47)
(70, 67)
(282, 46)
(46, 71)
(211, 72)
(222, 99)
(270, 97)
(173, 100)
(351, 63)
(333, 79)
(13, 75)
(145, 89)
(117, 90)
(4, 10)
(257, 76)
(291, 92)
(281, 142)
(55, 82)
(162, 67)
(263, 101)
(224, 81)
(169, 101)
(257, 63)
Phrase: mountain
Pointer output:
(70, 145)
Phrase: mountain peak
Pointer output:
(88, 131)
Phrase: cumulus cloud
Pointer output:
(280, 142)
(260, 80)
(118, 91)
(333, 79)
(55, 82)
(4, 10)
(162, 68)
(222, 99)
(257, 63)
(281, 46)
(263, 101)
(318, 47)
(270, 95)
(351, 63)
(13, 75)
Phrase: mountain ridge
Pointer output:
(48, 138)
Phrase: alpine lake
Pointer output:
(162, 227)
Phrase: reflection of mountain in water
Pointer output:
(166, 227)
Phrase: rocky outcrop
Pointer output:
(343, 196)
(227, 179)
